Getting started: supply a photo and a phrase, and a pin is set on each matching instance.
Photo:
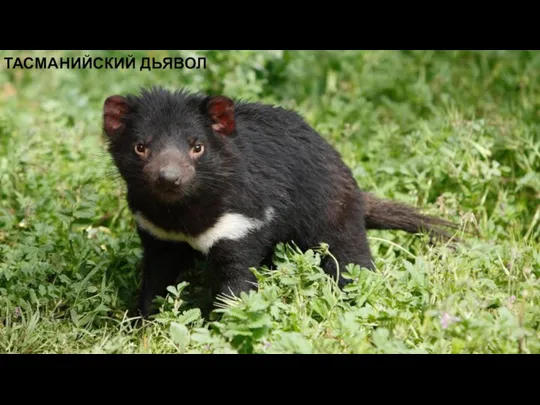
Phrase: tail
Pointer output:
(392, 215)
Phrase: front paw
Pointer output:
(235, 287)
(138, 316)
(146, 307)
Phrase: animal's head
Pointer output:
(171, 144)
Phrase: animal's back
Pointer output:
(294, 168)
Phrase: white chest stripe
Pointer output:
(230, 226)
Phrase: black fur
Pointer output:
(273, 158)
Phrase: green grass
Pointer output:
(454, 132)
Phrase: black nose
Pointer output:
(169, 176)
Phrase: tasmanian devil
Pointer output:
(224, 179)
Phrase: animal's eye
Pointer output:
(140, 148)
(198, 148)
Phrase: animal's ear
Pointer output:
(220, 109)
(114, 110)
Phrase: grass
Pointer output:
(454, 132)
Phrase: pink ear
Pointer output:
(221, 111)
(114, 108)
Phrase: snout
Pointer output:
(169, 177)
(174, 177)
(170, 174)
